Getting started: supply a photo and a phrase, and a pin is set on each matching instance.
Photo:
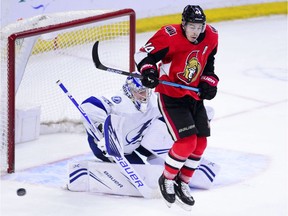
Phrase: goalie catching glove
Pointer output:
(150, 75)
(208, 86)
(97, 133)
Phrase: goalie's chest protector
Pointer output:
(136, 123)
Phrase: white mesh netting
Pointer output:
(65, 54)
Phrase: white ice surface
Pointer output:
(249, 141)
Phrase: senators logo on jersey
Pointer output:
(192, 68)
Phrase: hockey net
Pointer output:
(37, 52)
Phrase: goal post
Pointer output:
(38, 51)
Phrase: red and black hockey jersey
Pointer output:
(178, 59)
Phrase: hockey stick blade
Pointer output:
(100, 66)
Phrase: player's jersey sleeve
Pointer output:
(209, 67)
(154, 50)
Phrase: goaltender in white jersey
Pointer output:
(144, 137)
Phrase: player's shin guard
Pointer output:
(200, 146)
(178, 154)
(193, 160)
(173, 163)
(189, 167)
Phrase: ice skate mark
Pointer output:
(250, 110)
(280, 74)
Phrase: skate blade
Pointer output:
(168, 203)
(183, 205)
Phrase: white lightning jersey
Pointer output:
(136, 123)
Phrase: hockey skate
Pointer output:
(167, 190)
(183, 196)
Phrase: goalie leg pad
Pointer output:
(102, 177)
(78, 179)
(205, 174)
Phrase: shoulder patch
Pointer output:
(116, 99)
(170, 30)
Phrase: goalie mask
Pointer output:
(138, 93)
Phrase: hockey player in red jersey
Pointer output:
(182, 53)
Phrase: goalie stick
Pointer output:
(115, 151)
(99, 65)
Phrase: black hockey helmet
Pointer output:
(194, 14)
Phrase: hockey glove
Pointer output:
(96, 132)
(208, 86)
(98, 135)
(150, 75)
